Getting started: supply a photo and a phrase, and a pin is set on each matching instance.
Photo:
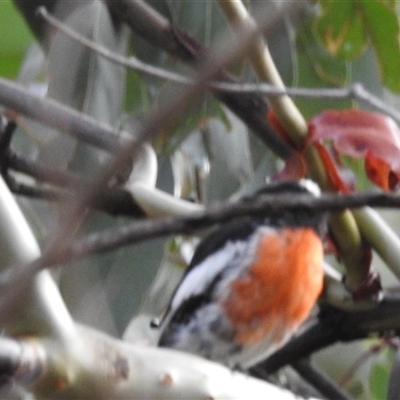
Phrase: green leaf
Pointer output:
(9, 64)
(341, 29)
(356, 390)
(82, 79)
(14, 40)
(315, 67)
(329, 69)
(379, 378)
(346, 27)
(382, 26)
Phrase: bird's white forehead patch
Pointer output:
(311, 186)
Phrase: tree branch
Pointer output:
(319, 381)
(58, 116)
(112, 200)
(112, 369)
(20, 361)
(264, 205)
(334, 325)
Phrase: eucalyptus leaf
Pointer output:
(202, 19)
(382, 26)
(230, 157)
(346, 27)
(379, 377)
(14, 40)
(84, 80)
(340, 28)
(315, 67)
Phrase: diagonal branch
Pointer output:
(264, 205)
(336, 325)
(319, 380)
(112, 200)
(138, 231)
(58, 116)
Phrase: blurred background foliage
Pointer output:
(14, 40)
(208, 155)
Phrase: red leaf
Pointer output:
(360, 134)
(379, 172)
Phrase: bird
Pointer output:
(250, 285)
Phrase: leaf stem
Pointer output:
(380, 236)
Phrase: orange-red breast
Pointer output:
(250, 285)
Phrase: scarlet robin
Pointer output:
(250, 285)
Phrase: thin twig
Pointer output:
(346, 377)
(354, 91)
(58, 116)
(33, 191)
(135, 64)
(319, 380)
(128, 62)
(112, 200)
(316, 337)
(113, 238)
(135, 199)
(44, 173)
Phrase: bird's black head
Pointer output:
(303, 186)
(304, 216)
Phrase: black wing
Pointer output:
(235, 230)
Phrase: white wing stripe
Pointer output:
(202, 274)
